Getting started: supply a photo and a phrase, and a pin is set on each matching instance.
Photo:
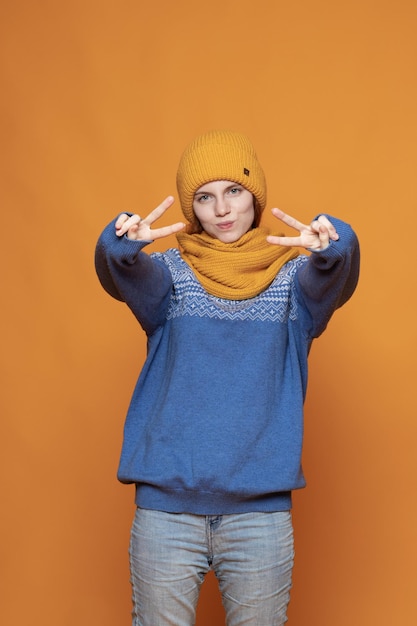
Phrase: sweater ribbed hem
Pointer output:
(206, 503)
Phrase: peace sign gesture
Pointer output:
(140, 228)
(315, 236)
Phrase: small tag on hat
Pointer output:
(246, 171)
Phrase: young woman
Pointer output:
(213, 435)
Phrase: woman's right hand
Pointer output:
(136, 227)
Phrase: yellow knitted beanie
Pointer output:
(220, 155)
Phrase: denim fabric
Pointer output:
(251, 554)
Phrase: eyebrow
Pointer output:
(204, 192)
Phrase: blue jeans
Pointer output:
(251, 554)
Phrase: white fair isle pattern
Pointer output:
(275, 304)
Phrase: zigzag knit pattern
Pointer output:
(275, 304)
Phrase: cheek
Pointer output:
(249, 204)
(196, 209)
(250, 213)
(202, 212)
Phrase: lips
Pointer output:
(225, 225)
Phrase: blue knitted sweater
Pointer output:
(215, 424)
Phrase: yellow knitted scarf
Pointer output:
(238, 270)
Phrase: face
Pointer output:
(224, 209)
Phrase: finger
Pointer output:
(165, 231)
(284, 241)
(333, 234)
(128, 223)
(288, 220)
(315, 226)
(132, 232)
(324, 237)
(121, 220)
(160, 210)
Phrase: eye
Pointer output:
(234, 190)
(203, 197)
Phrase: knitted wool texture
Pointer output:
(220, 155)
(238, 270)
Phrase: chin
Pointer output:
(229, 238)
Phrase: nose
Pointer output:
(222, 207)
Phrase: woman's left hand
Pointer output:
(315, 236)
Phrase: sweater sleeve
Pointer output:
(130, 275)
(329, 278)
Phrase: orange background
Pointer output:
(98, 99)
